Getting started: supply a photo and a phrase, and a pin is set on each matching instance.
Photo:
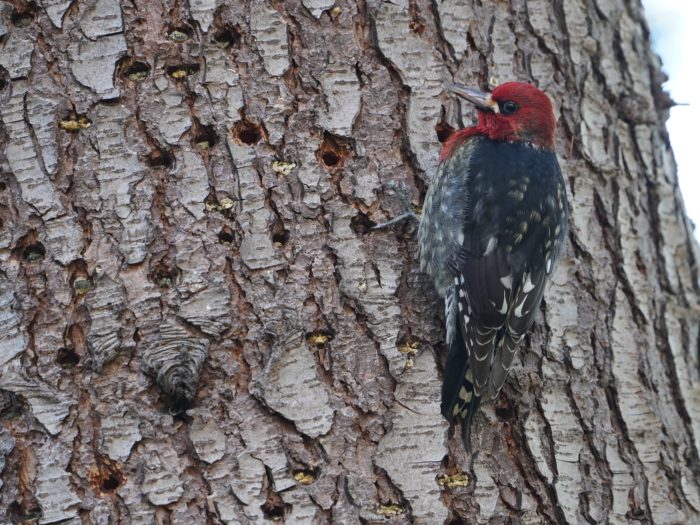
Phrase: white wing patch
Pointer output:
(450, 311)
(507, 281)
(504, 306)
(490, 246)
(519, 309)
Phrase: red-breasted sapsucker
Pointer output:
(493, 223)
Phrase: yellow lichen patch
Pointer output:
(318, 338)
(304, 477)
(226, 203)
(82, 285)
(138, 76)
(283, 167)
(410, 349)
(74, 124)
(182, 70)
(203, 145)
(336, 12)
(389, 511)
(178, 36)
(455, 480)
(222, 206)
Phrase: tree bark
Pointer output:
(197, 324)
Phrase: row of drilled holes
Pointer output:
(136, 70)
(226, 37)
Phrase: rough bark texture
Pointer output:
(185, 199)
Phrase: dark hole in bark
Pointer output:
(181, 71)
(4, 78)
(11, 405)
(136, 337)
(136, 71)
(2, 224)
(361, 224)
(280, 239)
(457, 521)
(205, 138)
(247, 132)
(3, 185)
(280, 236)
(443, 131)
(111, 483)
(504, 412)
(227, 37)
(226, 235)
(109, 476)
(180, 34)
(67, 358)
(274, 510)
(249, 136)
(164, 280)
(160, 158)
(34, 252)
(22, 17)
(330, 158)
(331, 153)
(163, 276)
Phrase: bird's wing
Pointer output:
(477, 306)
(485, 290)
(446, 209)
(521, 314)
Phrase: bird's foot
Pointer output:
(396, 220)
(400, 191)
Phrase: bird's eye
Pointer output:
(508, 108)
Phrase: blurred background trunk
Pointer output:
(185, 201)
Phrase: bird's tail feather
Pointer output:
(458, 398)
(467, 422)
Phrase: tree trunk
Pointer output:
(197, 324)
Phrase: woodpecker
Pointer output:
(493, 224)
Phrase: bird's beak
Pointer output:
(480, 99)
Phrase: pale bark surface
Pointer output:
(185, 196)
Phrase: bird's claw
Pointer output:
(396, 220)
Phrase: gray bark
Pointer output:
(186, 192)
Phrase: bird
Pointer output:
(493, 224)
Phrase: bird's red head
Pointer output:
(514, 111)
